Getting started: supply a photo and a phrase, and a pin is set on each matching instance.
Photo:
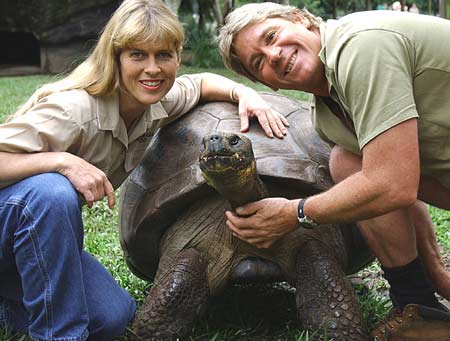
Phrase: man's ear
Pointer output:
(302, 20)
(179, 53)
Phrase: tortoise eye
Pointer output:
(234, 140)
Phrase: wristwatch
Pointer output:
(303, 220)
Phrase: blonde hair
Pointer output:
(134, 23)
(250, 14)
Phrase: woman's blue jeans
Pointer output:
(49, 287)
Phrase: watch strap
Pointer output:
(303, 220)
(300, 212)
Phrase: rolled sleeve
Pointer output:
(47, 127)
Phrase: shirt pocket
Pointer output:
(136, 152)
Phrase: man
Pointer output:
(381, 84)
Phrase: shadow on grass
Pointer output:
(250, 312)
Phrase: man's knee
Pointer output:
(434, 192)
(343, 163)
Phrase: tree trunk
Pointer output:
(201, 14)
(217, 12)
(228, 7)
(443, 9)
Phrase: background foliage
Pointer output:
(201, 22)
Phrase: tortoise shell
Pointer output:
(168, 179)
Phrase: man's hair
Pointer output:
(250, 14)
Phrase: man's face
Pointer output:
(282, 54)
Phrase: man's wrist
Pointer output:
(303, 219)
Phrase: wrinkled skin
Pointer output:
(199, 256)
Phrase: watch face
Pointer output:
(307, 224)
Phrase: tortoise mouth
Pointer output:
(223, 161)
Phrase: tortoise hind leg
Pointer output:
(326, 301)
(178, 296)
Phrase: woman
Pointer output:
(75, 141)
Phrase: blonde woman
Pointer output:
(74, 142)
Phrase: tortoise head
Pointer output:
(227, 162)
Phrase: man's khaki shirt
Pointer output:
(383, 68)
(91, 127)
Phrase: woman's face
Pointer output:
(146, 74)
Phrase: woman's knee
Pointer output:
(110, 307)
(343, 163)
(54, 189)
(114, 319)
(51, 201)
(53, 192)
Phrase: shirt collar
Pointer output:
(325, 28)
(155, 112)
(146, 124)
(108, 118)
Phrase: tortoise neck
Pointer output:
(254, 191)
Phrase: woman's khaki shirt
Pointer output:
(91, 127)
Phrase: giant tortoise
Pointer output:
(173, 229)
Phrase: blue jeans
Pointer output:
(49, 287)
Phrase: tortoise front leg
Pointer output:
(326, 301)
(178, 296)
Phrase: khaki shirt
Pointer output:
(91, 127)
(384, 68)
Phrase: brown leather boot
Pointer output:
(416, 322)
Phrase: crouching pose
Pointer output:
(75, 141)
(380, 83)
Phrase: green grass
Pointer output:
(242, 313)
(441, 220)
(16, 90)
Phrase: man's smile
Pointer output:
(291, 63)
